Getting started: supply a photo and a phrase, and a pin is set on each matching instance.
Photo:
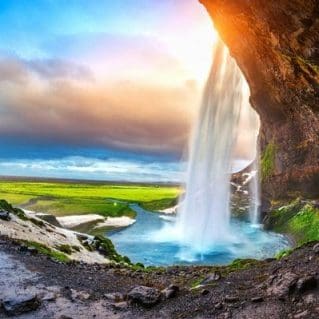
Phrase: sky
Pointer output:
(101, 89)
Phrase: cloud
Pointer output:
(12, 70)
(95, 169)
(57, 68)
(60, 107)
(19, 71)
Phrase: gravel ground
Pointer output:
(287, 288)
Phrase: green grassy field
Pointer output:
(75, 198)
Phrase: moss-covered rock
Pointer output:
(299, 219)
(4, 205)
(267, 162)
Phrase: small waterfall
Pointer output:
(204, 215)
(254, 192)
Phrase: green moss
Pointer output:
(42, 249)
(242, 264)
(267, 162)
(9, 208)
(284, 253)
(297, 219)
(37, 222)
(305, 225)
(67, 249)
(160, 204)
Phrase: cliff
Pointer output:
(276, 45)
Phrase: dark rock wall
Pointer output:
(276, 44)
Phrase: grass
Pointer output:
(42, 249)
(62, 199)
(158, 205)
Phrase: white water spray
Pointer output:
(204, 215)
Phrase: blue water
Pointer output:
(153, 240)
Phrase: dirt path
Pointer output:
(274, 289)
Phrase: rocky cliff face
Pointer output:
(276, 44)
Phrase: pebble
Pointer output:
(231, 298)
(219, 306)
(257, 299)
(300, 315)
(204, 292)
(316, 248)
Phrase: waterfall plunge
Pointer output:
(204, 214)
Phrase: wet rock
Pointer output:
(145, 296)
(282, 285)
(170, 292)
(306, 283)
(114, 296)
(4, 215)
(20, 304)
(231, 299)
(257, 299)
(215, 276)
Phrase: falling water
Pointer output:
(204, 215)
(254, 193)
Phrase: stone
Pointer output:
(257, 299)
(79, 295)
(219, 306)
(120, 305)
(301, 315)
(215, 276)
(282, 285)
(20, 304)
(5, 215)
(316, 248)
(231, 299)
(309, 299)
(50, 296)
(114, 296)
(170, 292)
(144, 296)
(204, 292)
(306, 283)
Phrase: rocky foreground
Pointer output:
(35, 286)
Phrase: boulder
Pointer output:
(306, 283)
(20, 304)
(283, 284)
(215, 276)
(114, 296)
(170, 292)
(4, 215)
(144, 296)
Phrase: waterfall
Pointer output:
(204, 214)
(254, 192)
